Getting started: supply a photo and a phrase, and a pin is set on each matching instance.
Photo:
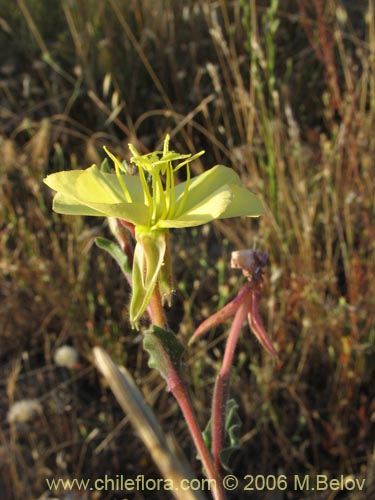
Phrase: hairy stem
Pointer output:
(177, 386)
(155, 308)
(223, 314)
(179, 391)
(256, 324)
(221, 390)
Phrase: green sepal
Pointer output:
(148, 258)
(232, 429)
(166, 275)
(165, 352)
(104, 167)
(115, 251)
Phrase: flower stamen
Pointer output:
(181, 205)
(147, 195)
(119, 167)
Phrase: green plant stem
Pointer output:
(221, 389)
(177, 386)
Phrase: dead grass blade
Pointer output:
(143, 420)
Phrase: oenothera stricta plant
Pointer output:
(141, 209)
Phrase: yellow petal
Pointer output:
(63, 204)
(204, 211)
(92, 192)
(136, 213)
(202, 186)
(92, 185)
(244, 203)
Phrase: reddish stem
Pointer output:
(223, 314)
(128, 226)
(221, 390)
(256, 324)
(155, 308)
(177, 386)
(178, 389)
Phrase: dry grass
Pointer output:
(290, 106)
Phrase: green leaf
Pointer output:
(232, 428)
(274, 26)
(115, 251)
(165, 352)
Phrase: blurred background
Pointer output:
(283, 92)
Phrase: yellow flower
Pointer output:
(153, 203)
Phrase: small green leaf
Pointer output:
(115, 251)
(274, 26)
(207, 438)
(232, 428)
(165, 352)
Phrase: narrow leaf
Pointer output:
(115, 251)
